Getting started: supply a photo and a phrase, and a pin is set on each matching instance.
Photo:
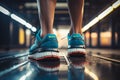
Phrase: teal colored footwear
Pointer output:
(76, 45)
(44, 48)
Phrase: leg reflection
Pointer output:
(76, 69)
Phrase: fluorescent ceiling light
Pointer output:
(33, 29)
(18, 19)
(4, 11)
(28, 25)
(116, 4)
(90, 24)
(105, 13)
(34, 5)
(61, 5)
(101, 16)
(31, 5)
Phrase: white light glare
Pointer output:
(26, 75)
(91, 74)
(28, 25)
(90, 24)
(101, 16)
(33, 29)
(105, 13)
(18, 19)
(116, 4)
(4, 11)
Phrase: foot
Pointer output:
(76, 45)
(44, 48)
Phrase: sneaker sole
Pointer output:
(76, 52)
(45, 56)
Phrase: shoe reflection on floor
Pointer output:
(49, 70)
(46, 70)
(76, 68)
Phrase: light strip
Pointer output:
(101, 16)
(22, 21)
(34, 29)
(12, 68)
(90, 24)
(91, 74)
(116, 4)
(4, 11)
(28, 25)
(105, 13)
(18, 19)
(61, 5)
(26, 75)
(34, 5)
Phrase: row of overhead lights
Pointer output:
(17, 18)
(85, 28)
(102, 15)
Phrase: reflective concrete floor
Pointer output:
(16, 66)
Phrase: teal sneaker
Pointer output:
(76, 45)
(44, 48)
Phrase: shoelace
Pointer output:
(34, 35)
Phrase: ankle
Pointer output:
(75, 33)
(43, 34)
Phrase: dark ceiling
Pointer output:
(92, 8)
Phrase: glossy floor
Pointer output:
(17, 67)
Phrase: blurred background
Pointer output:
(19, 19)
(101, 30)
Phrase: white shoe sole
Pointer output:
(44, 55)
(76, 51)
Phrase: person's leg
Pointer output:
(76, 45)
(46, 9)
(46, 44)
(76, 15)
